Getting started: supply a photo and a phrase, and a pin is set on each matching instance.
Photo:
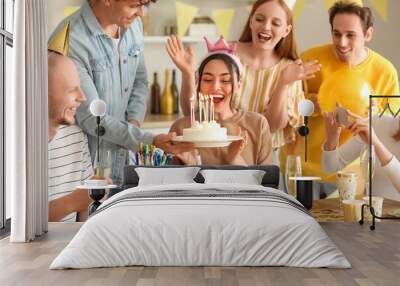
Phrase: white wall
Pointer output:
(55, 11)
(311, 29)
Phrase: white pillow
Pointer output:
(248, 177)
(166, 176)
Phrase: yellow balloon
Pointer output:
(348, 88)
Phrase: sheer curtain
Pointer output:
(26, 123)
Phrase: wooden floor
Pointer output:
(375, 257)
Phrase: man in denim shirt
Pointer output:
(105, 39)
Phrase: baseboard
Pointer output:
(5, 231)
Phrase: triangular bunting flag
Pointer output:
(298, 9)
(60, 42)
(223, 19)
(329, 3)
(184, 16)
(382, 7)
(70, 10)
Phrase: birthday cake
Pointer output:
(205, 131)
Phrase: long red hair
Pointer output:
(286, 48)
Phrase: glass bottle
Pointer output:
(155, 95)
(167, 100)
(175, 92)
(146, 23)
(293, 169)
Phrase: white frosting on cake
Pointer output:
(206, 131)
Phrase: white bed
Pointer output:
(201, 225)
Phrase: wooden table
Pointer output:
(328, 209)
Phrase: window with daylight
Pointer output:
(6, 46)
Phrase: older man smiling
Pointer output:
(68, 152)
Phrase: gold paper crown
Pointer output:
(60, 42)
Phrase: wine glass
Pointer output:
(103, 166)
(365, 165)
(293, 169)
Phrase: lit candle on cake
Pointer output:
(207, 117)
(204, 108)
(200, 107)
(211, 107)
(192, 116)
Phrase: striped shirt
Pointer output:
(256, 92)
(69, 162)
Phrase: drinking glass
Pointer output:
(103, 166)
(293, 169)
(347, 186)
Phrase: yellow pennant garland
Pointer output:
(298, 9)
(223, 19)
(329, 3)
(70, 10)
(184, 16)
(60, 42)
(382, 7)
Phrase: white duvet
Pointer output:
(265, 229)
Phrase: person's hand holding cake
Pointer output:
(213, 116)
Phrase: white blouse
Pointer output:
(385, 127)
(256, 92)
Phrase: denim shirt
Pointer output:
(122, 85)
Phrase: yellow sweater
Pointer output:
(382, 77)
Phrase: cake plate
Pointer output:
(210, 144)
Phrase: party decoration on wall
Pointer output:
(382, 7)
(184, 16)
(185, 13)
(329, 3)
(298, 9)
(70, 10)
(345, 87)
(223, 19)
(290, 3)
(60, 42)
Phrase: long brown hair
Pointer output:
(286, 48)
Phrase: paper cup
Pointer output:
(347, 185)
(377, 204)
(352, 210)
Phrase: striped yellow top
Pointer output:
(256, 92)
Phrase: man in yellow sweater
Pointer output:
(352, 28)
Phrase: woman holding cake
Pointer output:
(272, 76)
(219, 76)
